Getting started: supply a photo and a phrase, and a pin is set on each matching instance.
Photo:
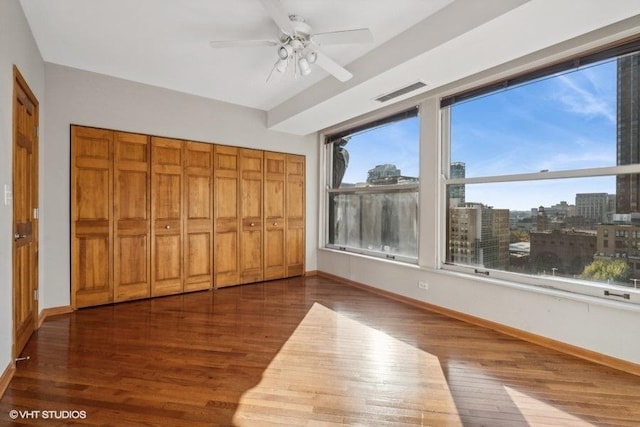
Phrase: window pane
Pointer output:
(384, 155)
(372, 188)
(586, 118)
(563, 227)
(381, 222)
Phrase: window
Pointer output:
(551, 159)
(372, 188)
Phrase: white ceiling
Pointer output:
(165, 43)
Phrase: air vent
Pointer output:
(401, 91)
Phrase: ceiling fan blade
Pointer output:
(362, 35)
(332, 67)
(242, 43)
(279, 16)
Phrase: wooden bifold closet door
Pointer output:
(295, 215)
(166, 216)
(251, 182)
(226, 216)
(274, 215)
(132, 249)
(91, 216)
(198, 216)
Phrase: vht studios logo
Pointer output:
(47, 415)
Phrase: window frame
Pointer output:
(575, 286)
(401, 112)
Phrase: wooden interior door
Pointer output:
(226, 216)
(251, 237)
(274, 215)
(91, 216)
(295, 212)
(198, 241)
(166, 216)
(132, 247)
(25, 203)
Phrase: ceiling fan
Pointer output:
(298, 44)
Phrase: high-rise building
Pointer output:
(628, 133)
(382, 172)
(479, 235)
(457, 191)
(596, 206)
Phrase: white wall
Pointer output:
(84, 98)
(18, 47)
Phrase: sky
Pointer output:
(395, 143)
(560, 123)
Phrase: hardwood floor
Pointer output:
(300, 352)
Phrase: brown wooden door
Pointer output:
(198, 241)
(166, 216)
(274, 215)
(251, 237)
(295, 213)
(132, 234)
(25, 203)
(226, 216)
(91, 216)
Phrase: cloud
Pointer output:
(580, 95)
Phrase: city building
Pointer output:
(479, 235)
(562, 252)
(598, 207)
(621, 240)
(628, 132)
(388, 174)
(457, 191)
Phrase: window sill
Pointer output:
(541, 289)
(546, 287)
(399, 260)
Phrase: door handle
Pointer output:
(18, 236)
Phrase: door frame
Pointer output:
(19, 81)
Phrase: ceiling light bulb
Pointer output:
(281, 65)
(285, 51)
(304, 66)
(312, 57)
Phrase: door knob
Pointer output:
(252, 224)
(18, 236)
(168, 227)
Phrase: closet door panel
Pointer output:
(295, 232)
(131, 216)
(251, 209)
(167, 216)
(198, 243)
(226, 216)
(274, 215)
(91, 216)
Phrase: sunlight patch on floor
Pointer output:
(536, 412)
(335, 370)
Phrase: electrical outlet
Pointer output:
(423, 285)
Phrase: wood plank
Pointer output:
(304, 351)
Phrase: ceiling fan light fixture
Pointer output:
(311, 57)
(285, 51)
(281, 65)
(305, 69)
